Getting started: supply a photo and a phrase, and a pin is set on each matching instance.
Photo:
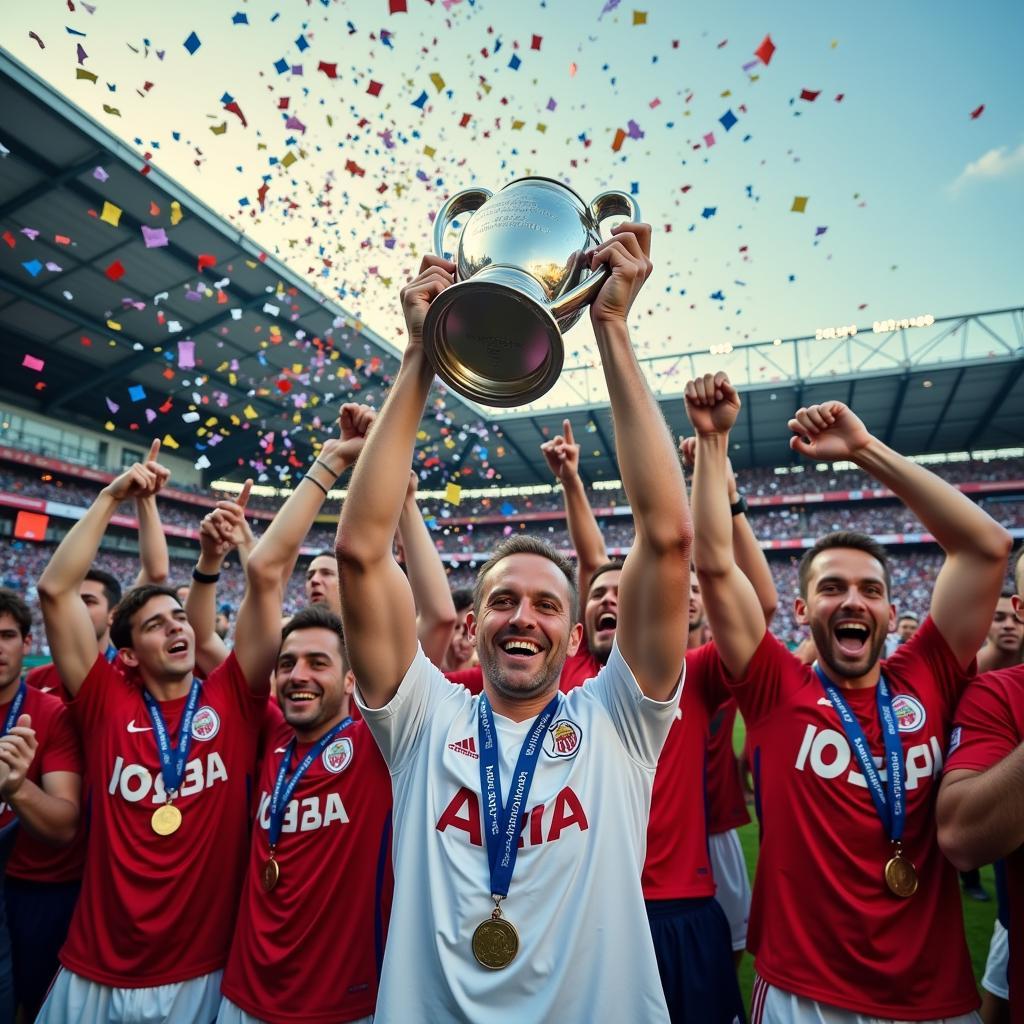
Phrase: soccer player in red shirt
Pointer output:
(170, 758)
(310, 930)
(39, 748)
(851, 888)
(980, 811)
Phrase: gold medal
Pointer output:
(166, 820)
(271, 872)
(495, 942)
(900, 875)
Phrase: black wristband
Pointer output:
(739, 507)
(328, 468)
(313, 480)
(205, 577)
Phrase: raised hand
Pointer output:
(354, 423)
(17, 749)
(435, 275)
(141, 479)
(562, 454)
(627, 255)
(830, 432)
(712, 403)
(225, 528)
(688, 453)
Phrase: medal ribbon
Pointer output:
(172, 762)
(15, 709)
(888, 799)
(284, 787)
(503, 819)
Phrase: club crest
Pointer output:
(338, 755)
(205, 723)
(563, 739)
(909, 711)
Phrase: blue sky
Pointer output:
(922, 206)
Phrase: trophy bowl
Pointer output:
(522, 278)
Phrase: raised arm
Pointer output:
(730, 600)
(68, 627)
(258, 626)
(749, 554)
(967, 587)
(562, 455)
(376, 601)
(218, 535)
(435, 610)
(155, 564)
(653, 588)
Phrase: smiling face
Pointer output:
(322, 582)
(163, 643)
(460, 648)
(525, 628)
(847, 607)
(313, 686)
(601, 614)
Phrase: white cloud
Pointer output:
(996, 163)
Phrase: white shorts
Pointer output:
(732, 884)
(74, 998)
(995, 980)
(770, 1005)
(231, 1014)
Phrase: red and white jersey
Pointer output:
(988, 726)
(727, 804)
(310, 950)
(585, 944)
(823, 925)
(34, 859)
(155, 910)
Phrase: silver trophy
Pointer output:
(522, 279)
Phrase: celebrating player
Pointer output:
(575, 943)
(170, 759)
(851, 887)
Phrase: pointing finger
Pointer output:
(154, 450)
(243, 498)
(567, 432)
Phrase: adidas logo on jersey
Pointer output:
(467, 747)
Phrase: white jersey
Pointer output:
(585, 950)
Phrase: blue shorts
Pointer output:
(693, 944)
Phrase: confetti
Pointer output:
(799, 204)
(192, 43)
(111, 214)
(33, 363)
(765, 50)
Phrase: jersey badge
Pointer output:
(338, 755)
(563, 739)
(909, 711)
(205, 724)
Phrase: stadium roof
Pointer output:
(83, 292)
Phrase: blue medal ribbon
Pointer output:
(888, 799)
(172, 762)
(285, 787)
(15, 709)
(503, 819)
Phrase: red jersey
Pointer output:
(988, 726)
(310, 949)
(156, 910)
(34, 859)
(727, 805)
(677, 865)
(823, 925)
(47, 679)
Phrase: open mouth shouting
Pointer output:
(178, 649)
(852, 637)
(605, 625)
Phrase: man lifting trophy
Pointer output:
(523, 277)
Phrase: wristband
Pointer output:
(328, 468)
(739, 507)
(313, 480)
(205, 577)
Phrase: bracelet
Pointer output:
(739, 507)
(205, 577)
(313, 480)
(328, 468)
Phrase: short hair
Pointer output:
(317, 616)
(1007, 592)
(324, 554)
(1018, 570)
(111, 588)
(121, 621)
(612, 565)
(11, 603)
(908, 617)
(524, 544)
(844, 539)
(462, 598)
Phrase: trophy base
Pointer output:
(491, 341)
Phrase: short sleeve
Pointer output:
(641, 723)
(229, 675)
(703, 678)
(92, 701)
(928, 649)
(398, 726)
(62, 752)
(985, 728)
(772, 675)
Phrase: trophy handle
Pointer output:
(607, 204)
(462, 202)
